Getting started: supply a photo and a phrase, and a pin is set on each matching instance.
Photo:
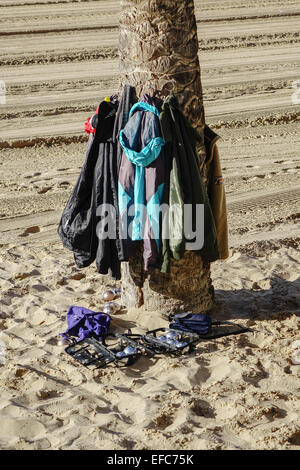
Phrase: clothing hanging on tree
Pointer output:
(216, 190)
(79, 227)
(185, 187)
(137, 159)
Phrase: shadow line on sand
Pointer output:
(280, 301)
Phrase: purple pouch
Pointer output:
(83, 322)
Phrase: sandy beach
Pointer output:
(58, 60)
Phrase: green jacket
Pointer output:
(184, 186)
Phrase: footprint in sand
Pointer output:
(163, 420)
(201, 408)
(45, 189)
(22, 428)
(294, 439)
(58, 408)
(46, 394)
(21, 276)
(30, 230)
(33, 229)
(78, 276)
(285, 162)
(32, 176)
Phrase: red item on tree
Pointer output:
(88, 128)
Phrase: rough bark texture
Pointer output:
(158, 47)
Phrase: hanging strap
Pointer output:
(205, 329)
(240, 329)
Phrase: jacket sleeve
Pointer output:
(216, 194)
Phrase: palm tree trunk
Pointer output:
(158, 47)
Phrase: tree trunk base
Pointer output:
(188, 286)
